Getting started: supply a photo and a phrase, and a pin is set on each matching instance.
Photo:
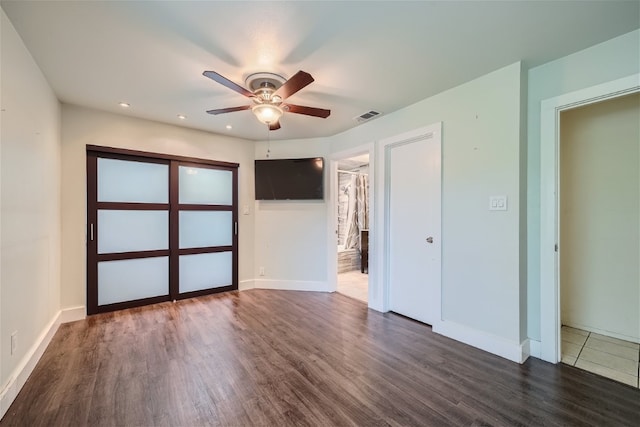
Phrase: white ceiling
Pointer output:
(364, 56)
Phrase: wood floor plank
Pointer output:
(279, 358)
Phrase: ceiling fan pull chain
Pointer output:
(268, 141)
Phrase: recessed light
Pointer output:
(229, 127)
(182, 116)
(124, 105)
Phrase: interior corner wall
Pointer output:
(83, 126)
(291, 236)
(524, 238)
(604, 62)
(29, 206)
(481, 158)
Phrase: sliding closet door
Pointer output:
(206, 236)
(158, 229)
(128, 232)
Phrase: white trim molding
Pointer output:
(549, 195)
(603, 332)
(510, 350)
(21, 373)
(332, 214)
(73, 314)
(245, 285)
(292, 285)
(534, 348)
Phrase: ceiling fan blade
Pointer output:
(294, 84)
(309, 111)
(274, 126)
(228, 110)
(228, 83)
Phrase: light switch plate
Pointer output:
(498, 203)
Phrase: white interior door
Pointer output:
(414, 262)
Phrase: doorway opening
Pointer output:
(599, 237)
(352, 214)
(550, 312)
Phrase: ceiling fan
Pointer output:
(268, 92)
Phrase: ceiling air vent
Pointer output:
(366, 116)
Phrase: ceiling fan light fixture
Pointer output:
(267, 113)
(268, 91)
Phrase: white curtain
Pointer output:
(351, 231)
(362, 193)
(358, 210)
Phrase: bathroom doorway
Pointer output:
(352, 226)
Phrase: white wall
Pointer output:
(481, 149)
(291, 236)
(82, 127)
(600, 217)
(611, 60)
(481, 157)
(29, 207)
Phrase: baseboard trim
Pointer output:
(245, 285)
(19, 376)
(73, 314)
(601, 331)
(291, 285)
(525, 350)
(21, 373)
(510, 350)
(535, 349)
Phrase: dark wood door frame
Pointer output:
(173, 208)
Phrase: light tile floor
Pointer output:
(602, 355)
(354, 284)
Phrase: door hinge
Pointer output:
(556, 247)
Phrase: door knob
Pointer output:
(429, 239)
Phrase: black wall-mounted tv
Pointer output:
(290, 179)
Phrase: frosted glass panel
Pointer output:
(205, 228)
(132, 279)
(200, 186)
(128, 181)
(127, 231)
(205, 271)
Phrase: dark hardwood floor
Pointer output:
(265, 357)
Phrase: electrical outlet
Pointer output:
(498, 203)
(14, 342)
(261, 271)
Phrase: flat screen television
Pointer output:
(290, 179)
